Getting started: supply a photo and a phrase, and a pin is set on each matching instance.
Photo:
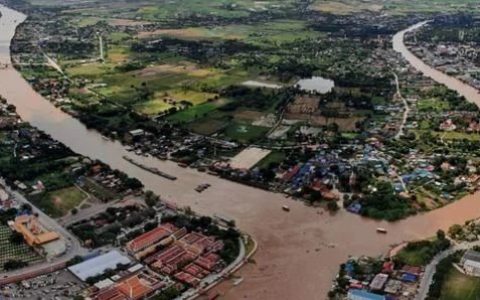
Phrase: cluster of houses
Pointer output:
(164, 257)
(7, 201)
(391, 282)
(172, 251)
(149, 255)
(454, 58)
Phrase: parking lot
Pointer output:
(58, 285)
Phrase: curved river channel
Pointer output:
(299, 252)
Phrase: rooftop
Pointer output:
(98, 265)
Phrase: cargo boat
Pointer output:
(150, 169)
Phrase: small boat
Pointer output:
(381, 230)
(286, 208)
(237, 281)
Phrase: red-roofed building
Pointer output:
(196, 271)
(149, 238)
(135, 287)
(110, 293)
(388, 267)
(291, 173)
(187, 278)
(208, 262)
(169, 259)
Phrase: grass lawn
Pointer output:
(116, 37)
(244, 133)
(273, 157)
(117, 54)
(89, 70)
(10, 251)
(58, 203)
(419, 253)
(349, 135)
(207, 126)
(153, 107)
(191, 96)
(433, 105)
(460, 287)
(196, 112)
(451, 135)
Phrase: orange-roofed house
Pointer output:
(33, 233)
(134, 288)
(110, 293)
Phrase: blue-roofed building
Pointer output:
(363, 295)
(408, 277)
(355, 208)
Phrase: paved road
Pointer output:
(74, 247)
(432, 267)
(407, 108)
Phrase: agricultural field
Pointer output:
(11, 251)
(269, 33)
(345, 7)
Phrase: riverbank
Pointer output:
(298, 253)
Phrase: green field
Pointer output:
(10, 251)
(196, 112)
(460, 287)
(58, 203)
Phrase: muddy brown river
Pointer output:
(299, 252)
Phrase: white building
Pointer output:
(471, 263)
(98, 265)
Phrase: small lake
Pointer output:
(316, 84)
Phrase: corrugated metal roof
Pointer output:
(98, 265)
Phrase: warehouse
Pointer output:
(97, 265)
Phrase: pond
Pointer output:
(316, 84)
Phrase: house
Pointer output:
(471, 263)
(379, 281)
(134, 134)
(447, 125)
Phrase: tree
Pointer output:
(441, 235)
(75, 260)
(454, 230)
(150, 198)
(16, 238)
(332, 206)
(13, 264)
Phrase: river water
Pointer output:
(299, 252)
(469, 92)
